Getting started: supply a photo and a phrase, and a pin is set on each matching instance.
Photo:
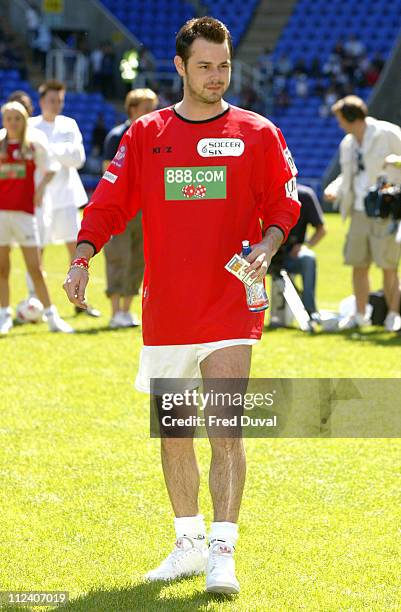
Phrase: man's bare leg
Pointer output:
(181, 475)
(360, 279)
(127, 301)
(228, 464)
(391, 287)
(115, 303)
(226, 476)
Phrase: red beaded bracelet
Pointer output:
(80, 262)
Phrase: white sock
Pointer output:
(192, 527)
(225, 531)
(50, 311)
(7, 310)
(361, 319)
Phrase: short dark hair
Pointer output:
(51, 85)
(23, 98)
(208, 28)
(351, 108)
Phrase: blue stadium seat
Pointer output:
(171, 14)
(312, 30)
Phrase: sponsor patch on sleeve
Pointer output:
(109, 176)
(119, 157)
(290, 161)
(291, 190)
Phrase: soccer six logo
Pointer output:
(196, 182)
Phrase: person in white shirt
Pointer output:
(66, 194)
(363, 159)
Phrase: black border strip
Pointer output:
(202, 120)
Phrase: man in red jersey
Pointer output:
(203, 173)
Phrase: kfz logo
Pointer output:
(162, 150)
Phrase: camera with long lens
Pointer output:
(384, 201)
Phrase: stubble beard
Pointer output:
(211, 97)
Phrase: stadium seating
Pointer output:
(236, 15)
(158, 34)
(312, 31)
(83, 107)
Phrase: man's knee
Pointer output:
(360, 271)
(390, 273)
(226, 446)
(308, 260)
(177, 447)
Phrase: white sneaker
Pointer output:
(220, 576)
(6, 320)
(354, 321)
(124, 319)
(56, 323)
(188, 558)
(117, 320)
(131, 320)
(392, 322)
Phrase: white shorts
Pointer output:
(178, 361)
(18, 227)
(59, 226)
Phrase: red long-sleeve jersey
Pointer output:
(203, 187)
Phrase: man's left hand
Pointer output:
(260, 259)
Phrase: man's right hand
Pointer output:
(75, 285)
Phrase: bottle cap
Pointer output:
(245, 243)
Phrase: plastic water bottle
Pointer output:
(256, 296)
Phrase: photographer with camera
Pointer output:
(363, 153)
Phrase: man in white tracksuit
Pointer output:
(60, 219)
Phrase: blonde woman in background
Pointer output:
(20, 155)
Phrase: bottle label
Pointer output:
(256, 295)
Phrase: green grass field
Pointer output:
(83, 505)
